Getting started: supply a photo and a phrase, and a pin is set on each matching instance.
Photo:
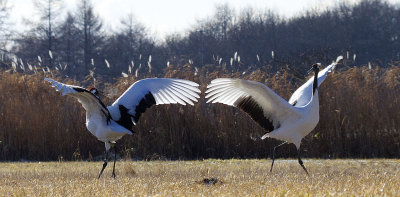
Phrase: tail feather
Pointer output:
(265, 136)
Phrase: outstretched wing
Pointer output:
(89, 101)
(127, 109)
(256, 99)
(304, 93)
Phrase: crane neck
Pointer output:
(315, 84)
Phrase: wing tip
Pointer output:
(48, 79)
(264, 136)
(339, 58)
(185, 81)
(221, 80)
(197, 90)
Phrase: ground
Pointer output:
(196, 178)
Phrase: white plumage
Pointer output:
(303, 94)
(286, 121)
(110, 123)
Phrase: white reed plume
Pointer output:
(14, 66)
(149, 65)
(137, 73)
(107, 64)
(22, 67)
(235, 56)
(124, 74)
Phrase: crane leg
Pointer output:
(104, 164)
(273, 155)
(301, 162)
(115, 159)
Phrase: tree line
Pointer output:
(78, 45)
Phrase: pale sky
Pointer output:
(164, 17)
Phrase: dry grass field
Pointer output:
(186, 178)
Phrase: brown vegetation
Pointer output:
(359, 117)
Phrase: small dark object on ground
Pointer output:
(211, 181)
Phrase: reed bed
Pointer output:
(359, 117)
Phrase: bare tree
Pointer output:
(48, 10)
(69, 48)
(90, 26)
(133, 30)
(4, 8)
(224, 19)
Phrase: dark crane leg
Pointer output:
(104, 164)
(273, 155)
(115, 159)
(301, 162)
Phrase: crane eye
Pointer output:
(94, 91)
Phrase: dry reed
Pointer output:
(359, 109)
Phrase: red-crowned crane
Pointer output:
(110, 123)
(286, 121)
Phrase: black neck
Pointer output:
(315, 84)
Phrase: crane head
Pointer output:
(315, 68)
(94, 91)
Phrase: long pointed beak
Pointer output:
(309, 71)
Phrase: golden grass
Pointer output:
(184, 178)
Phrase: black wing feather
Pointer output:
(252, 108)
(127, 120)
(146, 102)
(106, 113)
